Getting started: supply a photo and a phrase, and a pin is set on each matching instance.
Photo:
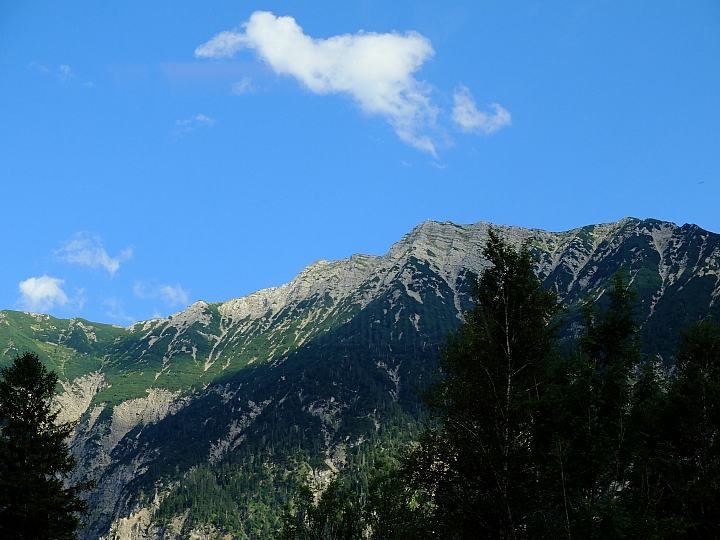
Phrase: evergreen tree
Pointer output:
(393, 510)
(653, 464)
(593, 444)
(336, 515)
(693, 427)
(480, 466)
(34, 459)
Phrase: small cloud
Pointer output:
(436, 165)
(140, 290)
(376, 70)
(466, 115)
(41, 69)
(116, 310)
(172, 296)
(191, 124)
(243, 86)
(80, 297)
(63, 72)
(89, 251)
(406, 164)
(42, 293)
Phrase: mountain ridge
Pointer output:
(314, 378)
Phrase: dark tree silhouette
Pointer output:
(480, 465)
(693, 428)
(34, 458)
(593, 451)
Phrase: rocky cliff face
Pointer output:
(198, 425)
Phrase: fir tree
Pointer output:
(592, 451)
(336, 515)
(393, 510)
(693, 427)
(479, 466)
(34, 458)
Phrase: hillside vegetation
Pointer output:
(205, 422)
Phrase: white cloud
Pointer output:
(42, 293)
(191, 124)
(243, 86)
(466, 115)
(375, 69)
(116, 310)
(172, 296)
(63, 73)
(140, 290)
(80, 299)
(89, 251)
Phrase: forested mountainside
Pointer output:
(204, 422)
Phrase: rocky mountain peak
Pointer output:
(329, 358)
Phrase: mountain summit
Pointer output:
(202, 423)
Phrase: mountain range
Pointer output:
(201, 425)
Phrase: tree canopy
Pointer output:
(480, 463)
(35, 463)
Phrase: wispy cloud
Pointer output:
(243, 86)
(39, 294)
(172, 296)
(115, 310)
(374, 69)
(88, 250)
(467, 116)
(63, 72)
(188, 125)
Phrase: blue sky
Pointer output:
(157, 153)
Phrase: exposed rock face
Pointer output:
(140, 411)
(236, 428)
(95, 442)
(78, 395)
(136, 526)
(162, 399)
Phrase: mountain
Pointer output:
(201, 424)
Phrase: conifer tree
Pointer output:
(393, 510)
(693, 427)
(593, 448)
(34, 458)
(336, 515)
(479, 466)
